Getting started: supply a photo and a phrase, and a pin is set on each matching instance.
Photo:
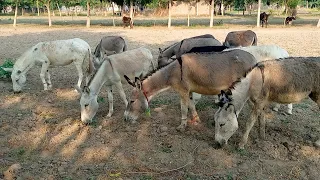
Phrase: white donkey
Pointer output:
(133, 63)
(51, 53)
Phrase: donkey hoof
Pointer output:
(181, 128)
(109, 115)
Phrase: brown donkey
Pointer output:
(285, 81)
(203, 73)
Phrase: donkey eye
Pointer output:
(131, 101)
(221, 125)
(86, 105)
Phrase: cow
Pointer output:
(288, 20)
(264, 19)
(127, 21)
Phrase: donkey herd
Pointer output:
(235, 71)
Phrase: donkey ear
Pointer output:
(129, 81)
(138, 82)
(86, 89)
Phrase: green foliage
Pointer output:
(7, 64)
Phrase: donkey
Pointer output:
(48, 54)
(109, 45)
(136, 62)
(127, 21)
(203, 73)
(264, 19)
(261, 53)
(241, 38)
(288, 80)
(177, 49)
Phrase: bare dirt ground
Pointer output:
(41, 132)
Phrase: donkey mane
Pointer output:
(259, 65)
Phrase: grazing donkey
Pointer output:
(241, 38)
(51, 53)
(288, 20)
(109, 45)
(264, 19)
(177, 49)
(127, 21)
(203, 73)
(133, 63)
(287, 80)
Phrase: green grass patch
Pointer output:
(17, 153)
(8, 63)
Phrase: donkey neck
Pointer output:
(169, 51)
(240, 93)
(156, 83)
(99, 79)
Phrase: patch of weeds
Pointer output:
(67, 178)
(202, 105)
(229, 176)
(100, 100)
(286, 121)
(145, 177)
(17, 153)
(242, 152)
(94, 123)
(156, 102)
(166, 149)
(8, 63)
(92, 178)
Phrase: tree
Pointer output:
(15, 14)
(169, 14)
(211, 13)
(258, 15)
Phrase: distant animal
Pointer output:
(109, 45)
(203, 73)
(133, 63)
(288, 20)
(48, 54)
(241, 38)
(127, 21)
(288, 80)
(264, 19)
(177, 49)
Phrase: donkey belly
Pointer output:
(286, 98)
(207, 90)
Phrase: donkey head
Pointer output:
(89, 104)
(226, 123)
(138, 101)
(18, 80)
(162, 59)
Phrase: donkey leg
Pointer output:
(49, 80)
(289, 110)
(276, 107)
(110, 100)
(80, 73)
(249, 124)
(44, 68)
(195, 118)
(262, 125)
(184, 112)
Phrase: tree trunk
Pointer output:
(211, 13)
(258, 15)
(49, 14)
(22, 11)
(318, 25)
(197, 7)
(59, 9)
(169, 20)
(222, 8)
(131, 9)
(113, 14)
(15, 14)
(189, 9)
(38, 8)
(88, 14)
